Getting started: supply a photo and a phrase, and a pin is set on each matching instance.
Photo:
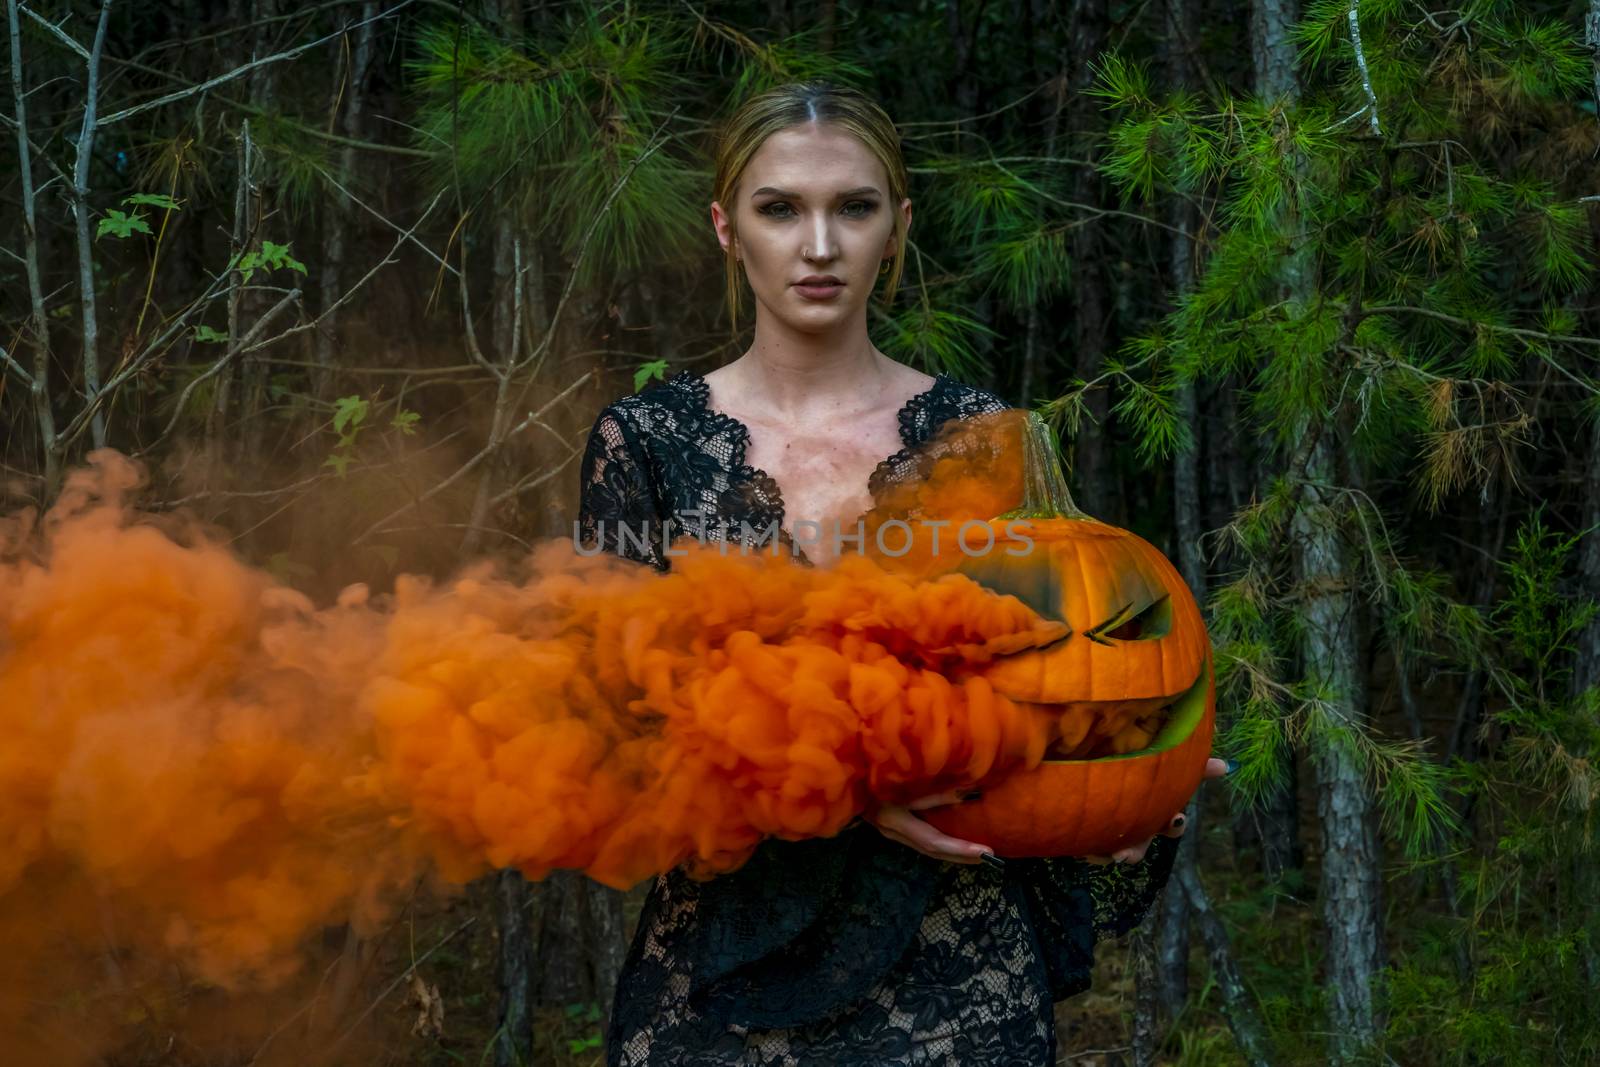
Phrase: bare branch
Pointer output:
(337, 304)
(1361, 64)
(168, 334)
(1539, 335)
(15, 367)
(467, 467)
(533, 481)
(255, 64)
(395, 226)
(80, 211)
(1094, 211)
(39, 382)
(236, 349)
(55, 30)
(1591, 37)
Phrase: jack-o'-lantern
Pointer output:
(1130, 685)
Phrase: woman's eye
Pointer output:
(778, 209)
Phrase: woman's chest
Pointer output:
(822, 475)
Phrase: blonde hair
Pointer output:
(795, 104)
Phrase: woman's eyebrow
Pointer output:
(862, 191)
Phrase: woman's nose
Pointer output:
(821, 246)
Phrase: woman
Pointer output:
(890, 943)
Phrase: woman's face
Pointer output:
(813, 203)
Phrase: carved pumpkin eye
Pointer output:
(1154, 620)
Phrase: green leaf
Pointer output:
(349, 411)
(339, 461)
(276, 255)
(120, 224)
(405, 422)
(159, 200)
(270, 256)
(207, 335)
(656, 368)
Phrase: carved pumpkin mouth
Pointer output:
(1178, 719)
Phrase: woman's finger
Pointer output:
(934, 801)
(1216, 768)
(926, 838)
(1131, 854)
(1176, 828)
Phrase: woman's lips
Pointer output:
(819, 290)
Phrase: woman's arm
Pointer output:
(617, 506)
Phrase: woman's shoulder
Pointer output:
(660, 406)
(948, 398)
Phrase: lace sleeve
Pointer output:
(616, 504)
(1074, 903)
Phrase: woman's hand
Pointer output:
(1215, 768)
(901, 824)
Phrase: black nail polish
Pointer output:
(1233, 765)
(973, 795)
(992, 860)
(1178, 821)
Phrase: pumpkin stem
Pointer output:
(1044, 487)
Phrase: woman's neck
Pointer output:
(798, 376)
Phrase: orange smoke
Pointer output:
(201, 764)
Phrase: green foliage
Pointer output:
(121, 224)
(1507, 977)
(269, 256)
(1376, 294)
(351, 418)
(160, 200)
(567, 131)
(935, 339)
(1026, 265)
(655, 368)
(586, 1016)
(298, 164)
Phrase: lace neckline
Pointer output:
(907, 418)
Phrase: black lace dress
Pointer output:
(852, 949)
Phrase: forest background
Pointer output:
(1309, 289)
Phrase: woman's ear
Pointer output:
(724, 227)
(889, 248)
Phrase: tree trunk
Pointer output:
(1046, 60)
(513, 1044)
(1273, 828)
(39, 319)
(1092, 451)
(1350, 885)
(963, 83)
(354, 91)
(1330, 647)
(1271, 49)
(262, 90)
(88, 301)
(1172, 942)
(778, 18)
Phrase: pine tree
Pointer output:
(1366, 283)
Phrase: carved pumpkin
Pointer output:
(1131, 685)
